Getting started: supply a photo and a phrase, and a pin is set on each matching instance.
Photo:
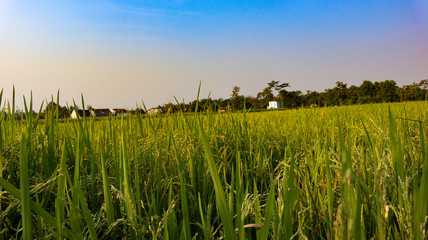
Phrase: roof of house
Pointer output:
(80, 112)
(101, 110)
(224, 109)
(119, 110)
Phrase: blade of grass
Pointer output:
(269, 212)
(106, 185)
(27, 227)
(34, 206)
(59, 201)
(223, 208)
(183, 195)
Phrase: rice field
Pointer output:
(355, 172)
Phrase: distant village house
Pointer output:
(225, 109)
(154, 111)
(79, 113)
(119, 112)
(102, 112)
(274, 105)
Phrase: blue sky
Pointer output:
(119, 53)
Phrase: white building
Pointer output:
(79, 113)
(74, 114)
(119, 112)
(274, 105)
(154, 111)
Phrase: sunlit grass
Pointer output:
(348, 172)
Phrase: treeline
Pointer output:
(341, 94)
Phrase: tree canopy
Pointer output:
(341, 94)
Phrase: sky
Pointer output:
(120, 54)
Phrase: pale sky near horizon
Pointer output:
(117, 54)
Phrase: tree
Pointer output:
(71, 108)
(282, 86)
(290, 99)
(265, 96)
(268, 95)
(366, 92)
(412, 92)
(340, 93)
(236, 98)
(251, 102)
(424, 84)
(387, 91)
(278, 87)
(63, 112)
(272, 84)
(235, 92)
(324, 98)
(139, 110)
(311, 98)
(170, 108)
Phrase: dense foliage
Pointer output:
(356, 172)
(341, 94)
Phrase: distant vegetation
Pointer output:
(367, 92)
(353, 172)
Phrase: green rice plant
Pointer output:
(421, 192)
(60, 200)
(223, 208)
(108, 202)
(34, 206)
(347, 172)
(129, 201)
(269, 212)
(183, 195)
(25, 191)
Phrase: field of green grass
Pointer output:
(357, 172)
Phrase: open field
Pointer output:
(356, 172)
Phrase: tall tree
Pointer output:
(412, 92)
(340, 93)
(236, 98)
(352, 95)
(290, 99)
(366, 92)
(268, 94)
(265, 96)
(311, 98)
(424, 84)
(387, 91)
(278, 87)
